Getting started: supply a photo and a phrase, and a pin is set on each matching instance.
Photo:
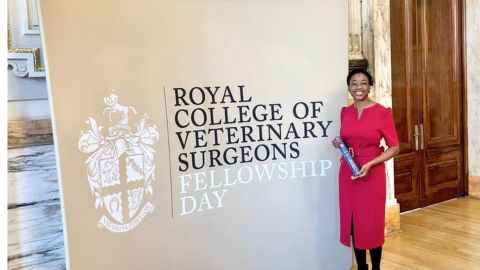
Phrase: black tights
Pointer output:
(361, 255)
(375, 257)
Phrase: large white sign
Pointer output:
(196, 134)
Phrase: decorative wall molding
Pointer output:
(25, 61)
(355, 30)
(32, 22)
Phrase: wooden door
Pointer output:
(427, 95)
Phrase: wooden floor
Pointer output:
(439, 237)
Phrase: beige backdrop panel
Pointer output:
(281, 52)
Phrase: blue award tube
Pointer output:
(348, 157)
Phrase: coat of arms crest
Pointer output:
(121, 166)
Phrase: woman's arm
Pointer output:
(386, 155)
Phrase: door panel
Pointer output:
(442, 118)
(443, 175)
(443, 94)
(427, 100)
(407, 188)
(405, 97)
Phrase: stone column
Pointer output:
(383, 95)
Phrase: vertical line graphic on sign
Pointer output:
(169, 154)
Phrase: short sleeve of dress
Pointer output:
(342, 114)
(388, 130)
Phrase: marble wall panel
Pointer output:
(35, 230)
(367, 33)
(473, 138)
(382, 49)
(472, 19)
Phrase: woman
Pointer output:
(362, 198)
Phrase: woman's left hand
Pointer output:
(363, 171)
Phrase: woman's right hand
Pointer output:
(336, 143)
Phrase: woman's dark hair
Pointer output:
(362, 71)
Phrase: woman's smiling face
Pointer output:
(359, 87)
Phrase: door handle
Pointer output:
(415, 136)
(421, 137)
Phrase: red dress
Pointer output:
(364, 199)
